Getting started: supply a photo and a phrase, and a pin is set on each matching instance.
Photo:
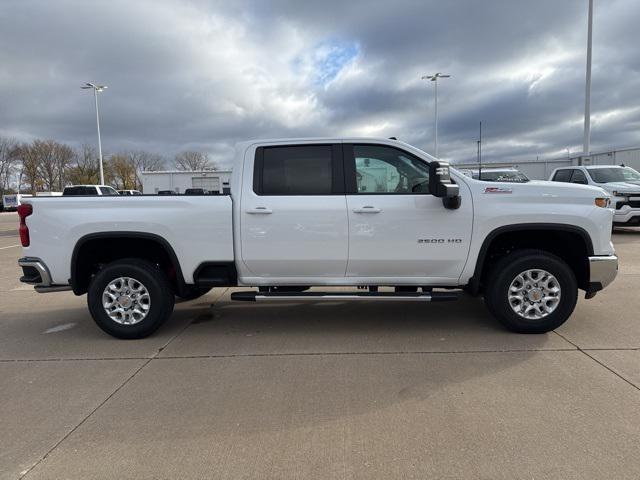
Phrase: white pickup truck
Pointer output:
(378, 216)
(622, 183)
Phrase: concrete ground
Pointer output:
(233, 390)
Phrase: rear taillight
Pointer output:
(24, 211)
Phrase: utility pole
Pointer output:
(586, 146)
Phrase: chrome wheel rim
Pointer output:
(126, 301)
(534, 294)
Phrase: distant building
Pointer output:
(541, 169)
(178, 181)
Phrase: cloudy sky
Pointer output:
(206, 74)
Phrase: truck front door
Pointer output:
(396, 228)
(293, 216)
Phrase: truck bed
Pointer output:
(197, 228)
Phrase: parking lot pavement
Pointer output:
(491, 415)
(229, 390)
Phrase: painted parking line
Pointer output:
(10, 246)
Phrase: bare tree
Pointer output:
(8, 160)
(86, 170)
(144, 162)
(191, 161)
(52, 159)
(63, 155)
(30, 166)
(42, 150)
(124, 172)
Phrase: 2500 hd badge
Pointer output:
(439, 240)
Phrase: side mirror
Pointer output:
(440, 184)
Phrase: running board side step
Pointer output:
(253, 296)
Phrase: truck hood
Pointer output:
(536, 188)
(621, 186)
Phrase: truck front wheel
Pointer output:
(130, 298)
(531, 291)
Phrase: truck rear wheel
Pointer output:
(531, 291)
(130, 298)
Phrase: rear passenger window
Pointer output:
(579, 177)
(562, 176)
(79, 191)
(294, 170)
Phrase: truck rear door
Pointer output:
(293, 212)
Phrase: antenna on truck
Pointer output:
(480, 154)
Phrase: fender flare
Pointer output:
(74, 281)
(473, 286)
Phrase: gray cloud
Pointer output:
(207, 74)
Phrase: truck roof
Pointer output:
(592, 166)
(320, 139)
(383, 141)
(87, 185)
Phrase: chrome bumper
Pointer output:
(37, 274)
(602, 271)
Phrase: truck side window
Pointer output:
(382, 169)
(563, 175)
(579, 177)
(108, 191)
(296, 170)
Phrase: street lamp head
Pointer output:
(97, 88)
(434, 77)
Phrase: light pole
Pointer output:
(96, 89)
(434, 78)
(586, 146)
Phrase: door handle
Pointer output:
(259, 210)
(367, 209)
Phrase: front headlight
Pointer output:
(603, 202)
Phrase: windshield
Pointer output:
(505, 176)
(606, 175)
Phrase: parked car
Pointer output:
(11, 201)
(196, 191)
(84, 190)
(622, 183)
(361, 214)
(129, 192)
(510, 175)
(166, 192)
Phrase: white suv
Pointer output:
(622, 183)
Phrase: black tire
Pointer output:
(192, 292)
(508, 268)
(157, 285)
